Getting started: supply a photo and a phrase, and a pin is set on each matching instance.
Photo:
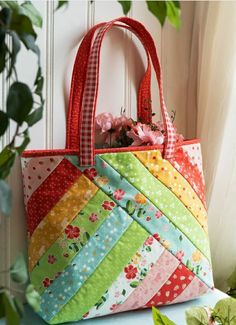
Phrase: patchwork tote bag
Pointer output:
(115, 229)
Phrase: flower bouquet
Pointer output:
(122, 131)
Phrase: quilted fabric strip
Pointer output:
(147, 215)
(129, 279)
(156, 278)
(36, 171)
(169, 176)
(195, 155)
(160, 196)
(59, 217)
(50, 192)
(173, 287)
(70, 242)
(195, 289)
(182, 162)
(85, 263)
(111, 267)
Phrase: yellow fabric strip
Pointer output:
(171, 178)
(59, 217)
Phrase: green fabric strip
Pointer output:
(134, 171)
(104, 276)
(64, 249)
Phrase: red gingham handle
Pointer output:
(78, 82)
(91, 89)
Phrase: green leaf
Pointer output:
(22, 25)
(225, 311)
(29, 42)
(4, 121)
(140, 213)
(18, 270)
(126, 6)
(134, 284)
(123, 292)
(32, 13)
(3, 47)
(159, 318)
(196, 316)
(33, 297)
(130, 207)
(231, 293)
(158, 9)
(24, 143)
(19, 102)
(173, 14)
(9, 309)
(5, 15)
(35, 116)
(7, 158)
(231, 281)
(5, 198)
(61, 3)
(15, 50)
(86, 236)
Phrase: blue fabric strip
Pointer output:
(84, 264)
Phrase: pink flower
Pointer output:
(180, 255)
(148, 241)
(143, 134)
(104, 122)
(158, 214)
(93, 217)
(72, 232)
(51, 259)
(118, 194)
(108, 205)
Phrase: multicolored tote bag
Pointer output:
(115, 229)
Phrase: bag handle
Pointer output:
(87, 120)
(78, 81)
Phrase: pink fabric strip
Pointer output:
(156, 278)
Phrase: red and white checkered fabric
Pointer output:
(91, 91)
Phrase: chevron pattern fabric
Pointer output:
(128, 233)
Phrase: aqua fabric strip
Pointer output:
(156, 223)
(85, 263)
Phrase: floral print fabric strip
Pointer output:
(70, 242)
(130, 278)
(85, 263)
(152, 283)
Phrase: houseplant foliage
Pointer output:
(23, 108)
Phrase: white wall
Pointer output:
(121, 71)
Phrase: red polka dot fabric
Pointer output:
(50, 192)
(173, 287)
